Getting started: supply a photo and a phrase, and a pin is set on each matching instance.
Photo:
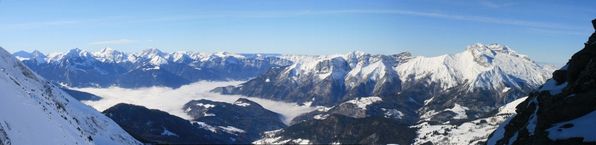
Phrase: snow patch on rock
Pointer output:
(579, 127)
(363, 102)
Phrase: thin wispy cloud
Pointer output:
(282, 14)
(495, 4)
(58, 23)
(113, 42)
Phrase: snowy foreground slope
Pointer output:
(35, 112)
(472, 132)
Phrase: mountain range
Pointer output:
(426, 93)
(150, 67)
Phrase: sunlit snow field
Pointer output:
(172, 100)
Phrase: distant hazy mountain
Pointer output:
(34, 111)
(151, 67)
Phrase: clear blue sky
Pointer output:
(546, 30)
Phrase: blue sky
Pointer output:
(547, 30)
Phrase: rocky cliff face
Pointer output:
(562, 111)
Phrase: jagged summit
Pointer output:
(492, 50)
(493, 46)
(357, 53)
(35, 55)
(110, 55)
(152, 52)
(76, 52)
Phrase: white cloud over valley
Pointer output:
(171, 100)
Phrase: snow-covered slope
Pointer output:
(467, 133)
(33, 111)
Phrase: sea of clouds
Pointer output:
(171, 100)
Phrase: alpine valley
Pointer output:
(359, 97)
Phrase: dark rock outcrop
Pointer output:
(342, 129)
(551, 111)
(81, 96)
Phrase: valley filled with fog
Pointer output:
(172, 100)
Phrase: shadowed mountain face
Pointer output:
(81, 96)
(342, 129)
(154, 126)
(242, 122)
(562, 111)
(251, 118)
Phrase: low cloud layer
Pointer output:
(171, 100)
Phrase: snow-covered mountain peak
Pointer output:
(476, 63)
(492, 47)
(356, 54)
(151, 52)
(335, 66)
(405, 54)
(22, 55)
(154, 56)
(225, 54)
(76, 52)
(107, 50)
(35, 55)
(180, 56)
(490, 51)
(110, 55)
